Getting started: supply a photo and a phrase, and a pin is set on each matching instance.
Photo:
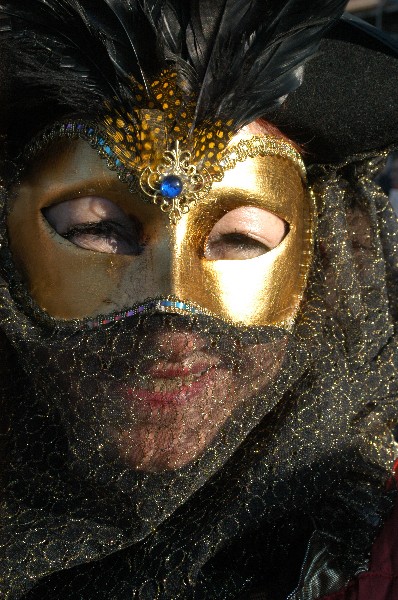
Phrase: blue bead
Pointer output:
(171, 186)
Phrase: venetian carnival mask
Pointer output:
(183, 252)
(155, 205)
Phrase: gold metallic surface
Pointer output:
(70, 282)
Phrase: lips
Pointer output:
(173, 389)
(180, 374)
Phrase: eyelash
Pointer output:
(100, 228)
(238, 240)
(106, 230)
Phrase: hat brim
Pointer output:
(348, 101)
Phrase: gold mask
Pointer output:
(69, 282)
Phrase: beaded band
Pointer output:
(162, 305)
(260, 146)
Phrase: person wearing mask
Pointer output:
(198, 300)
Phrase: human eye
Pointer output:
(96, 224)
(243, 233)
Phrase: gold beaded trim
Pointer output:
(259, 146)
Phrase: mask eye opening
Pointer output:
(96, 224)
(243, 233)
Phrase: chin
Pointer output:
(158, 453)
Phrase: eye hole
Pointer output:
(97, 224)
(245, 232)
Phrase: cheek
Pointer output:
(264, 361)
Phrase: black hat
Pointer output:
(348, 101)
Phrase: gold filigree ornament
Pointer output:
(176, 183)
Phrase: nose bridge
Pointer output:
(165, 261)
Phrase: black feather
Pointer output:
(235, 58)
(101, 35)
(256, 53)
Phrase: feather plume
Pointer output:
(255, 57)
(236, 58)
(98, 40)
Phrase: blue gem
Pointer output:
(171, 186)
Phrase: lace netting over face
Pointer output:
(125, 477)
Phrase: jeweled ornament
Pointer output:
(171, 186)
(176, 183)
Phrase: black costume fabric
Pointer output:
(288, 492)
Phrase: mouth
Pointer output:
(172, 385)
(180, 370)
